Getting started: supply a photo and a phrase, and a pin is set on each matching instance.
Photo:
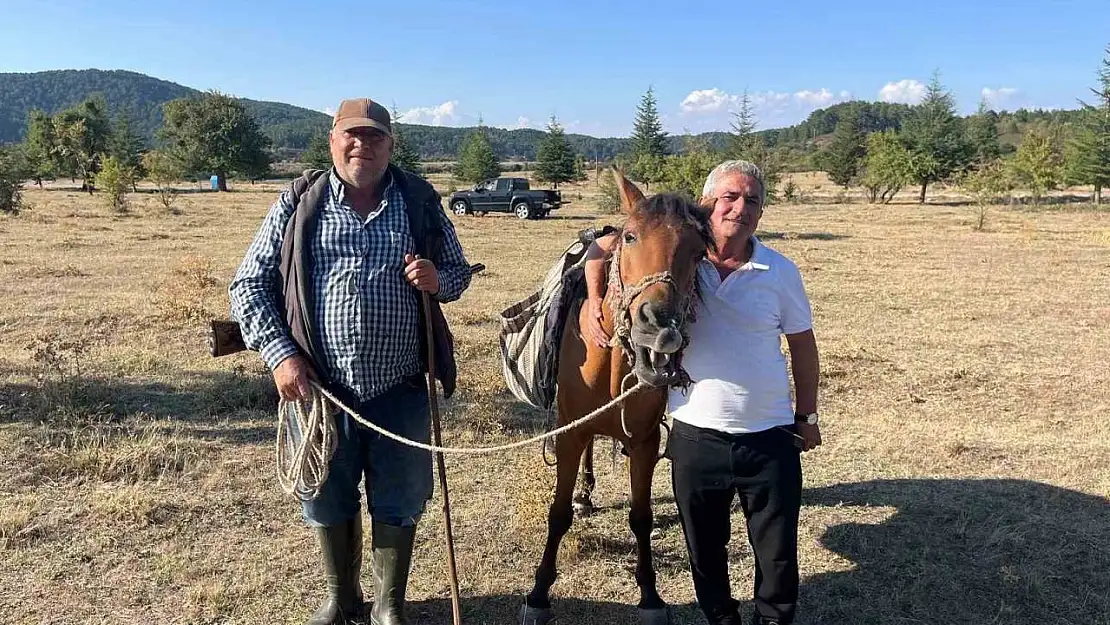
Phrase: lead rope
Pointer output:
(303, 458)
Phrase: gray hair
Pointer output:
(735, 167)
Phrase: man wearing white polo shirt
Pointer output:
(735, 430)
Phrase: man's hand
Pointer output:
(422, 274)
(291, 377)
(811, 435)
(594, 315)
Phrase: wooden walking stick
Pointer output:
(433, 406)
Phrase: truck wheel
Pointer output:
(522, 210)
(459, 207)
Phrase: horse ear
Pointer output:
(630, 193)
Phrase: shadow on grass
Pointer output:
(967, 551)
(212, 400)
(503, 610)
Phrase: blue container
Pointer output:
(215, 183)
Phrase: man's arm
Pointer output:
(596, 285)
(806, 367)
(256, 290)
(452, 266)
(594, 267)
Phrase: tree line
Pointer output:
(934, 145)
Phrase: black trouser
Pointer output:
(708, 468)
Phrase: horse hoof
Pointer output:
(535, 616)
(656, 616)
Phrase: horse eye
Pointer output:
(629, 238)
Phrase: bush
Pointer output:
(13, 171)
(790, 191)
(115, 180)
(609, 202)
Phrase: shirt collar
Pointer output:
(759, 259)
(338, 189)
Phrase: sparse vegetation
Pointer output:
(170, 451)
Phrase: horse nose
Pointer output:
(654, 315)
(659, 327)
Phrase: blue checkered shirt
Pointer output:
(366, 315)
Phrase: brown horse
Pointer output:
(651, 291)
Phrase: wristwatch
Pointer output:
(808, 419)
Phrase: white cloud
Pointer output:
(330, 111)
(707, 101)
(523, 122)
(1001, 98)
(446, 114)
(905, 91)
(713, 108)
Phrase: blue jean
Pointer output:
(398, 477)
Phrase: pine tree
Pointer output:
(935, 138)
(844, 158)
(1089, 149)
(647, 131)
(982, 134)
(556, 161)
(126, 146)
(746, 145)
(318, 153)
(476, 161)
(649, 142)
(404, 155)
(40, 145)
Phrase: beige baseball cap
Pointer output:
(362, 113)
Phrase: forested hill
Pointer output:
(140, 98)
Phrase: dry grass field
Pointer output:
(964, 397)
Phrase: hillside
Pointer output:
(140, 97)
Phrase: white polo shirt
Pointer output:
(735, 359)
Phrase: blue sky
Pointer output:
(588, 63)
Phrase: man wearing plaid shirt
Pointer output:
(365, 326)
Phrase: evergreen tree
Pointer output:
(476, 161)
(844, 157)
(404, 155)
(39, 146)
(935, 138)
(647, 131)
(127, 146)
(556, 161)
(745, 144)
(982, 134)
(318, 154)
(649, 142)
(1089, 148)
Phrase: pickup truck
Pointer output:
(505, 195)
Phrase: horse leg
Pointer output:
(643, 457)
(568, 450)
(583, 503)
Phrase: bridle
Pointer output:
(621, 305)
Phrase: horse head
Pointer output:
(653, 275)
